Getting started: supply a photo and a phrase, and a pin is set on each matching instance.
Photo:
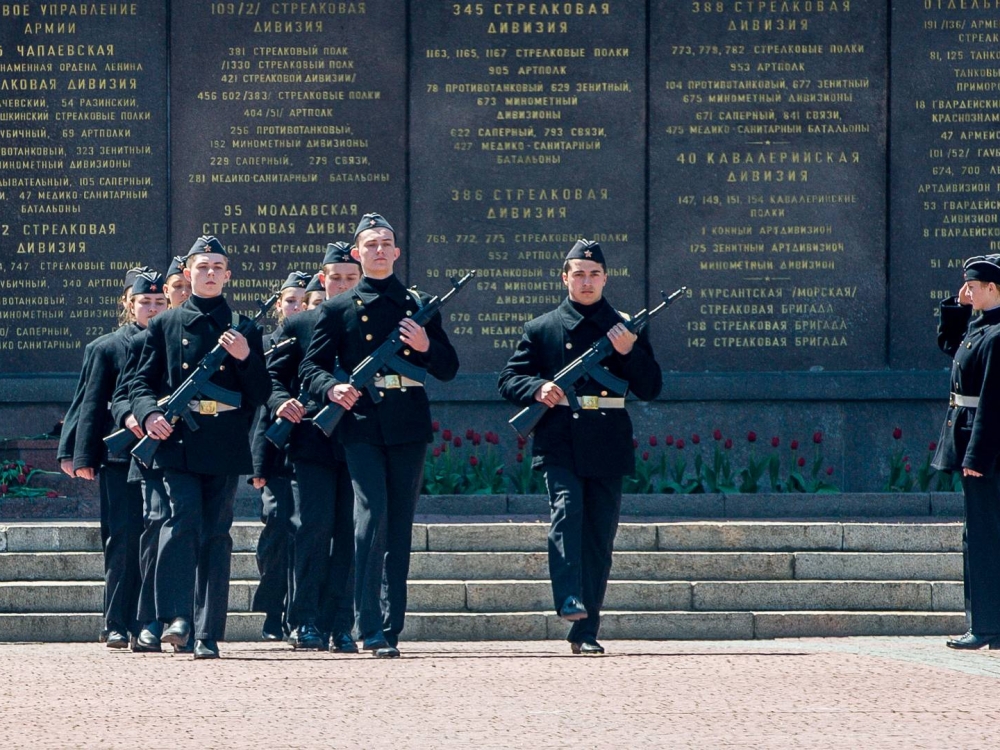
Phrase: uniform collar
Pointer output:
(395, 292)
(605, 317)
(190, 314)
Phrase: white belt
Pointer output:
(209, 408)
(969, 402)
(397, 381)
(597, 402)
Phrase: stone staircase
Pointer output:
(488, 580)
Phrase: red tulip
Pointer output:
(775, 442)
(645, 455)
(519, 457)
(932, 447)
(28, 468)
(906, 459)
(446, 434)
(457, 442)
(652, 441)
(499, 470)
(817, 437)
(669, 440)
(435, 426)
(802, 461)
(51, 493)
(696, 439)
(717, 434)
(521, 442)
(469, 433)
(794, 445)
(437, 451)
(3, 489)
(680, 444)
(829, 470)
(473, 461)
(476, 438)
(21, 479)
(752, 436)
(728, 444)
(906, 468)
(635, 443)
(897, 434)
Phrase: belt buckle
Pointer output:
(393, 381)
(951, 402)
(589, 402)
(208, 408)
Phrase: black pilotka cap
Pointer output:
(176, 266)
(372, 221)
(132, 273)
(148, 282)
(340, 252)
(206, 244)
(296, 280)
(586, 250)
(315, 285)
(985, 268)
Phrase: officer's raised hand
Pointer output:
(344, 394)
(549, 394)
(414, 336)
(235, 343)
(157, 426)
(622, 339)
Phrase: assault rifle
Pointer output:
(121, 440)
(587, 365)
(386, 357)
(198, 385)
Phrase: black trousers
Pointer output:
(274, 546)
(982, 527)
(584, 520)
(121, 516)
(387, 482)
(155, 512)
(323, 547)
(192, 572)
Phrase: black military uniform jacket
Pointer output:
(268, 461)
(970, 437)
(590, 442)
(306, 442)
(351, 326)
(94, 420)
(176, 341)
(67, 435)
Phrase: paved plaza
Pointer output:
(816, 693)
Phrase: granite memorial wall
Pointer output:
(813, 170)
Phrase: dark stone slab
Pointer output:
(766, 185)
(833, 505)
(526, 133)
(83, 192)
(674, 506)
(943, 165)
(948, 504)
(286, 128)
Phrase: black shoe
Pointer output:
(307, 638)
(375, 642)
(187, 648)
(971, 641)
(103, 637)
(177, 633)
(572, 610)
(116, 639)
(589, 647)
(386, 652)
(206, 649)
(272, 630)
(342, 643)
(148, 641)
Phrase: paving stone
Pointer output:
(826, 624)
(812, 595)
(748, 535)
(879, 566)
(902, 537)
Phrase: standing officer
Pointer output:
(321, 602)
(201, 468)
(970, 443)
(272, 477)
(385, 443)
(584, 454)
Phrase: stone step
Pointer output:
(649, 566)
(615, 625)
(760, 536)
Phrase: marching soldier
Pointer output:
(272, 478)
(385, 443)
(178, 287)
(200, 468)
(583, 454)
(315, 293)
(970, 443)
(321, 601)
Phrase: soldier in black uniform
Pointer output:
(315, 293)
(82, 445)
(178, 286)
(200, 468)
(970, 443)
(321, 602)
(584, 454)
(385, 443)
(272, 477)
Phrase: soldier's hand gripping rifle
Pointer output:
(198, 386)
(387, 357)
(587, 365)
(121, 440)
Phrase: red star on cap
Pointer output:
(372, 222)
(587, 253)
